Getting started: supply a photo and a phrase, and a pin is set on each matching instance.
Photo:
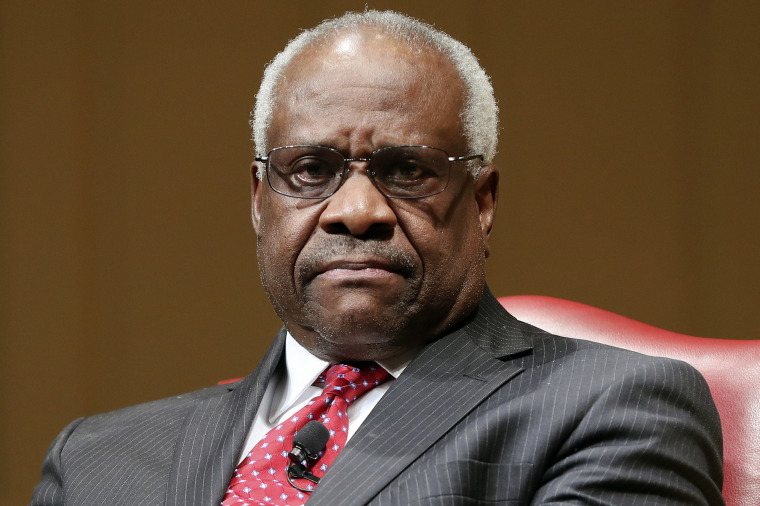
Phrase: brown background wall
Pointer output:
(630, 178)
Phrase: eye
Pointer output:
(311, 171)
(408, 171)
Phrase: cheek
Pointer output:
(450, 244)
(283, 232)
(454, 255)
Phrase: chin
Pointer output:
(356, 344)
(358, 352)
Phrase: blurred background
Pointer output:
(630, 155)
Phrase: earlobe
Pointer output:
(487, 196)
(256, 196)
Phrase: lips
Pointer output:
(348, 258)
(357, 267)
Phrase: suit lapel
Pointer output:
(215, 431)
(444, 383)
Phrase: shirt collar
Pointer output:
(303, 368)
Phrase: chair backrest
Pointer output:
(731, 368)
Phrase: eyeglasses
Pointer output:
(402, 172)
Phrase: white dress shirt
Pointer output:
(292, 386)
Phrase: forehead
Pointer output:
(371, 76)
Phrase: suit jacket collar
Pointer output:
(450, 378)
(494, 330)
(445, 382)
(213, 436)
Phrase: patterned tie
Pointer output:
(261, 479)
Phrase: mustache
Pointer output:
(313, 260)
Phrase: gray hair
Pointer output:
(479, 115)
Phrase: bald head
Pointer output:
(377, 68)
(478, 113)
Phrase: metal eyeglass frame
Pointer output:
(370, 173)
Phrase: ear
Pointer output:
(257, 190)
(487, 195)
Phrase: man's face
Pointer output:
(360, 276)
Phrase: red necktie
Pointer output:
(261, 478)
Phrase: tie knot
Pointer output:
(351, 381)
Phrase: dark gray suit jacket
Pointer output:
(497, 411)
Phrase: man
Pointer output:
(373, 198)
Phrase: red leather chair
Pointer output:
(731, 368)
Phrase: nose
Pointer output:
(358, 208)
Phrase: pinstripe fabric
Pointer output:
(176, 451)
(536, 419)
(570, 422)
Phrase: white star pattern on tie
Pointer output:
(261, 478)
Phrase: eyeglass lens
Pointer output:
(397, 171)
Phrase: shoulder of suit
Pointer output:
(549, 347)
(167, 408)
